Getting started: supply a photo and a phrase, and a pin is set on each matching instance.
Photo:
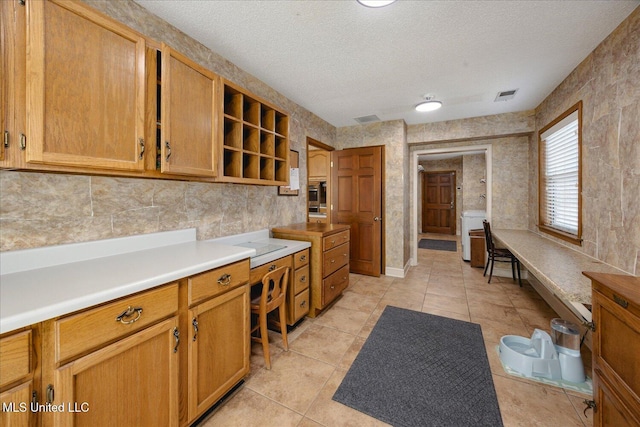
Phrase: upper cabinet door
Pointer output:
(188, 116)
(86, 88)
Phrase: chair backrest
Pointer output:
(487, 235)
(274, 287)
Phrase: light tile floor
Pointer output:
(297, 390)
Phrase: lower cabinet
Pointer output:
(133, 381)
(616, 346)
(219, 348)
(161, 357)
(17, 385)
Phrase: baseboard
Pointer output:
(397, 272)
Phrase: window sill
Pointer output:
(571, 238)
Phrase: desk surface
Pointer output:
(556, 266)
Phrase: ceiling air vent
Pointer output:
(505, 95)
(367, 119)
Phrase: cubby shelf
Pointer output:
(255, 140)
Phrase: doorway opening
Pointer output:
(419, 165)
(318, 181)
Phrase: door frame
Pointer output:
(414, 185)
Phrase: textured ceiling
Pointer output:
(341, 60)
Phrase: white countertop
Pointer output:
(43, 283)
(263, 236)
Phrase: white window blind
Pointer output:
(561, 156)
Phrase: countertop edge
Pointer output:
(209, 258)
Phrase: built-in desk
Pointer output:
(558, 270)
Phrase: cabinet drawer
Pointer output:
(300, 280)
(299, 308)
(300, 258)
(333, 285)
(217, 281)
(335, 258)
(334, 240)
(258, 273)
(91, 328)
(15, 360)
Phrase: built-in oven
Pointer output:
(317, 194)
(314, 195)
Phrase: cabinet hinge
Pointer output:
(23, 141)
(589, 325)
(590, 404)
(331, 164)
(6, 139)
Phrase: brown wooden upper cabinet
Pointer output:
(254, 138)
(188, 116)
(318, 164)
(86, 89)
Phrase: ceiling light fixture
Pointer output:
(429, 104)
(375, 3)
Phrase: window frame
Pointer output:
(561, 234)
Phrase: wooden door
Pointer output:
(13, 82)
(133, 381)
(356, 175)
(439, 202)
(219, 348)
(188, 116)
(86, 88)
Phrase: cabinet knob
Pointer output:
(303, 303)
(303, 279)
(272, 267)
(303, 258)
(333, 261)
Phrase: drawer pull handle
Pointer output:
(128, 313)
(225, 280)
(195, 328)
(168, 150)
(176, 335)
(272, 267)
(303, 279)
(303, 303)
(620, 301)
(333, 242)
(50, 393)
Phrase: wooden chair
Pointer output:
(272, 296)
(498, 254)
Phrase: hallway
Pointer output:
(298, 389)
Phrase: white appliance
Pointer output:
(471, 220)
